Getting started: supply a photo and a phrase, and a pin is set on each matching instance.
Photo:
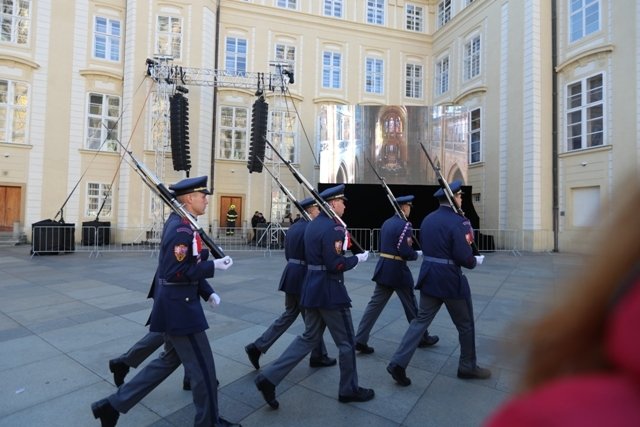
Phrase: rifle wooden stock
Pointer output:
(324, 206)
(448, 193)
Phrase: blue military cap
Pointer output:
(308, 202)
(455, 187)
(405, 200)
(331, 193)
(196, 184)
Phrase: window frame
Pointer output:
(108, 38)
(442, 82)
(581, 14)
(444, 12)
(170, 35)
(103, 193)
(471, 58)
(238, 145)
(235, 56)
(332, 6)
(287, 4)
(104, 143)
(10, 108)
(584, 108)
(20, 27)
(331, 70)
(373, 79)
(475, 155)
(375, 12)
(414, 83)
(278, 136)
(414, 20)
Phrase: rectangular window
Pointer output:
(103, 122)
(331, 70)
(285, 53)
(288, 4)
(374, 75)
(413, 81)
(283, 134)
(16, 21)
(474, 136)
(414, 18)
(234, 125)
(235, 55)
(442, 76)
(169, 36)
(585, 113)
(584, 18)
(97, 195)
(333, 8)
(472, 58)
(375, 12)
(14, 104)
(444, 12)
(106, 39)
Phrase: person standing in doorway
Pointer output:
(232, 216)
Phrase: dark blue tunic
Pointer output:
(445, 237)
(396, 239)
(294, 272)
(324, 282)
(180, 279)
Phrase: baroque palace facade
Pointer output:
(551, 86)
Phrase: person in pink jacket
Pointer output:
(583, 358)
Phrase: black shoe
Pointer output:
(476, 373)
(254, 355)
(322, 362)
(119, 370)
(363, 348)
(186, 384)
(362, 395)
(106, 413)
(428, 341)
(268, 391)
(398, 373)
(226, 423)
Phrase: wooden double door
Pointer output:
(10, 206)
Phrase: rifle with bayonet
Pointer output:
(288, 193)
(392, 200)
(324, 206)
(169, 198)
(448, 193)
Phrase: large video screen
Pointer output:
(358, 141)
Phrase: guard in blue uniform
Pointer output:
(446, 239)
(180, 279)
(291, 285)
(393, 275)
(326, 303)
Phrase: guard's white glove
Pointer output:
(214, 300)
(479, 259)
(419, 253)
(223, 263)
(362, 257)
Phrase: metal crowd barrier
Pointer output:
(52, 239)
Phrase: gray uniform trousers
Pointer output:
(282, 323)
(144, 348)
(461, 312)
(379, 299)
(340, 327)
(195, 353)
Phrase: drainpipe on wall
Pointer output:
(214, 121)
(554, 123)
